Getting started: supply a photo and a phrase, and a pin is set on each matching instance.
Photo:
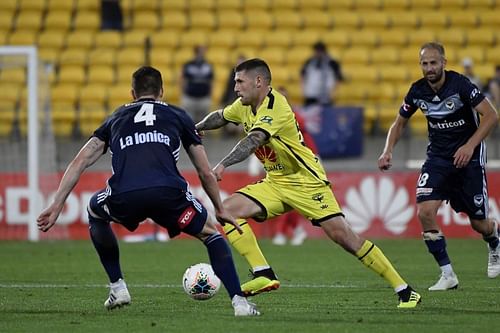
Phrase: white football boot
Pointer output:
(493, 262)
(118, 295)
(445, 282)
(242, 307)
(279, 239)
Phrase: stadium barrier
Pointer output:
(377, 205)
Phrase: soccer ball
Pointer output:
(200, 282)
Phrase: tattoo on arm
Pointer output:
(212, 121)
(244, 148)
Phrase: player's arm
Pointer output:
(393, 136)
(199, 159)
(489, 120)
(87, 156)
(213, 120)
(243, 149)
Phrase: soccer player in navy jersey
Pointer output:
(456, 156)
(145, 138)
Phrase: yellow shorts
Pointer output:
(315, 202)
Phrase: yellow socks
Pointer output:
(246, 244)
(373, 258)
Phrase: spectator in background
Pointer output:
(196, 85)
(320, 77)
(493, 87)
(111, 15)
(229, 97)
(468, 71)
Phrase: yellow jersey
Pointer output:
(286, 158)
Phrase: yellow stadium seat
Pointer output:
(100, 75)
(424, 4)
(246, 51)
(356, 55)
(174, 20)
(87, 20)
(278, 38)
(346, 20)
(15, 76)
(256, 4)
(407, 20)
(386, 93)
(353, 93)
(222, 38)
(58, 20)
(282, 5)
(32, 5)
(132, 56)
(193, 38)
(228, 4)
(274, 56)
(202, 20)
(206, 5)
(182, 55)
(120, 94)
(452, 4)
(258, 20)
(395, 5)
(288, 20)
(296, 56)
(492, 55)
(7, 117)
(173, 5)
(230, 19)
(80, 40)
(340, 4)
(73, 56)
(88, 5)
(124, 74)
(90, 117)
(315, 19)
(218, 56)
(393, 37)
(409, 56)
(253, 39)
(375, 20)
(336, 38)
(360, 73)
(476, 53)
(108, 39)
(8, 6)
(365, 38)
(29, 20)
(396, 74)
(54, 39)
(135, 38)
(61, 5)
(63, 119)
(64, 93)
(144, 5)
(72, 74)
(481, 4)
(385, 55)
(94, 93)
(305, 37)
(368, 5)
(481, 37)
(161, 57)
(165, 38)
(146, 20)
(5, 21)
(452, 37)
(100, 56)
(49, 55)
(418, 37)
(22, 37)
(311, 4)
(465, 19)
(433, 20)
(489, 19)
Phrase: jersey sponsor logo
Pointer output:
(378, 203)
(447, 125)
(186, 217)
(145, 137)
(474, 93)
(264, 153)
(406, 107)
(478, 200)
(266, 120)
(423, 191)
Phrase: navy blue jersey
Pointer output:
(145, 139)
(451, 119)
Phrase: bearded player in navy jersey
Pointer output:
(145, 138)
(456, 156)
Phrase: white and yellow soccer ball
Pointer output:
(200, 282)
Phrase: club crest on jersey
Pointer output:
(423, 106)
(478, 200)
(266, 120)
(450, 105)
(186, 217)
(318, 197)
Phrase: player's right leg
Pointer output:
(241, 206)
(106, 245)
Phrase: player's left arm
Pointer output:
(243, 149)
(489, 120)
(87, 156)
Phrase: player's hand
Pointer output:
(48, 218)
(223, 217)
(462, 156)
(218, 171)
(384, 161)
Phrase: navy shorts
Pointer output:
(464, 188)
(176, 210)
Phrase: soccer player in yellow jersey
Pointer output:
(295, 180)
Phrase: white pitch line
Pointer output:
(42, 285)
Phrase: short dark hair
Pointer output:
(256, 64)
(319, 46)
(147, 81)
(433, 45)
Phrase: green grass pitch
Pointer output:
(61, 287)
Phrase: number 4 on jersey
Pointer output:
(146, 114)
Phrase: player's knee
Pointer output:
(483, 227)
(426, 217)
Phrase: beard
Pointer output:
(436, 78)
